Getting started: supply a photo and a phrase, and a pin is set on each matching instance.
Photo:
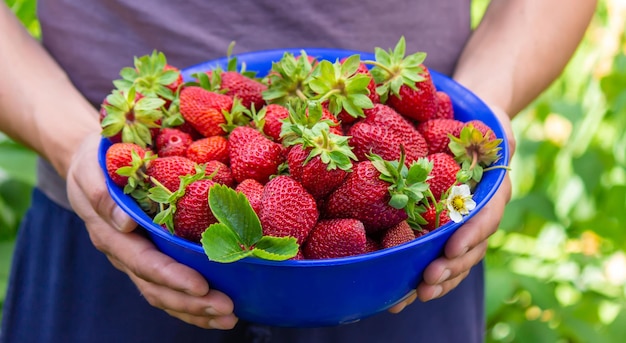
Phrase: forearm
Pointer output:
(520, 47)
(39, 106)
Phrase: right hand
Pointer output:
(166, 284)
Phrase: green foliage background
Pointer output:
(556, 269)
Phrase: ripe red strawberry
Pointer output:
(253, 190)
(253, 156)
(272, 120)
(314, 174)
(436, 132)
(168, 170)
(120, 155)
(431, 217)
(214, 148)
(235, 84)
(172, 142)
(443, 174)
(444, 106)
(287, 209)
(219, 173)
(386, 142)
(371, 245)
(396, 235)
(193, 215)
(203, 110)
(364, 196)
(420, 103)
(333, 238)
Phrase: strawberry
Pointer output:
(475, 148)
(214, 148)
(253, 156)
(443, 175)
(399, 234)
(365, 197)
(270, 120)
(204, 109)
(178, 82)
(128, 116)
(235, 84)
(436, 133)
(120, 155)
(313, 173)
(193, 215)
(168, 170)
(333, 238)
(341, 88)
(253, 190)
(172, 142)
(386, 142)
(444, 106)
(219, 173)
(431, 217)
(287, 209)
(371, 245)
(483, 128)
(404, 82)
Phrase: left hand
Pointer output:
(468, 245)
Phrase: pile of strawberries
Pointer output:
(345, 156)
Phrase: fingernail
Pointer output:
(120, 219)
(211, 311)
(444, 276)
(437, 292)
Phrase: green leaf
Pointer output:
(276, 248)
(222, 244)
(233, 209)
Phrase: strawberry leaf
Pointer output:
(239, 233)
(222, 244)
(276, 248)
(233, 209)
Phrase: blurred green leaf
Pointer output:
(18, 162)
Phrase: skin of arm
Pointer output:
(519, 48)
(40, 108)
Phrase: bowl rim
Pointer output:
(145, 221)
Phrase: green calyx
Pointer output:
(137, 185)
(238, 115)
(133, 118)
(392, 69)
(474, 152)
(407, 185)
(343, 88)
(167, 199)
(289, 80)
(149, 76)
(238, 232)
(302, 116)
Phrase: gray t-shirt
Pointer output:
(93, 40)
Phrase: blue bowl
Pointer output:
(329, 292)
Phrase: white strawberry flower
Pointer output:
(459, 202)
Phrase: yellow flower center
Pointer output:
(458, 203)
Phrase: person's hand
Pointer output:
(175, 288)
(468, 245)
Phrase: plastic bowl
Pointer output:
(313, 293)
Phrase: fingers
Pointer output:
(212, 311)
(166, 284)
(481, 226)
